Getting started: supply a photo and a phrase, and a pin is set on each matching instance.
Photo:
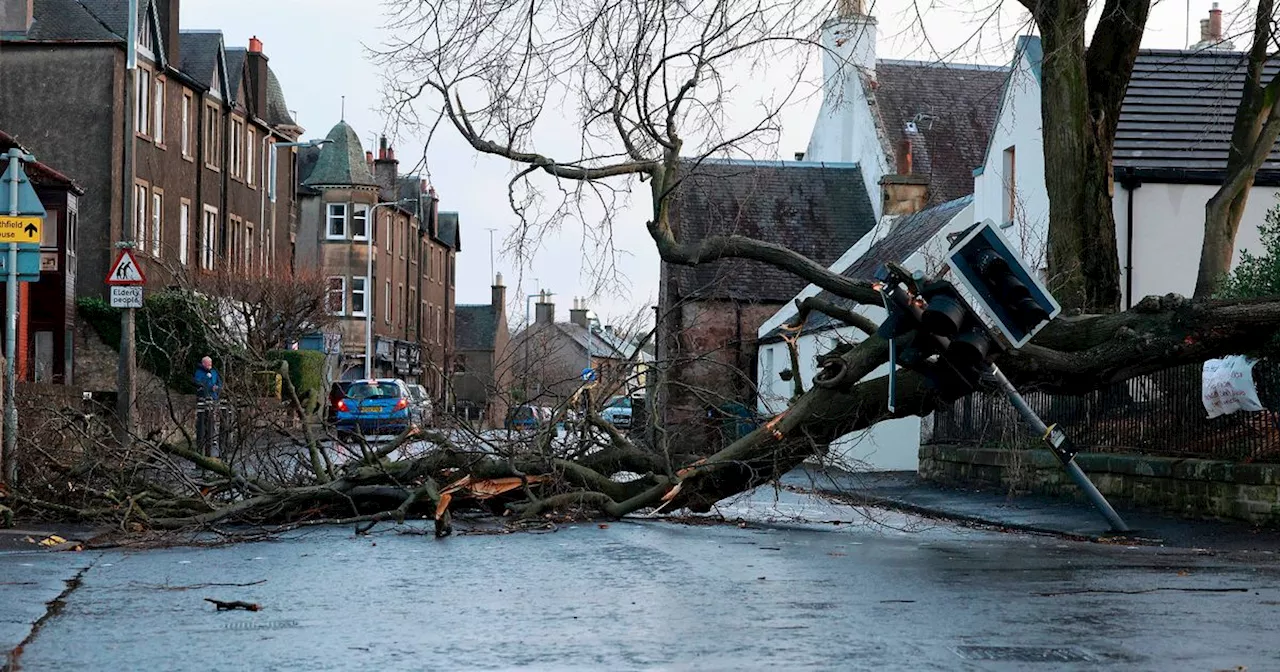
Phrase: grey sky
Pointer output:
(316, 48)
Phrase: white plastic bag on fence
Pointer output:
(1227, 386)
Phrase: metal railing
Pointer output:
(1158, 414)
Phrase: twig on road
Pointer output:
(235, 604)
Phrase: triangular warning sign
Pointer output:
(126, 270)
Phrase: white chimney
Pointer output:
(849, 41)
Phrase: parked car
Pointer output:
(420, 407)
(379, 406)
(528, 416)
(618, 412)
(337, 392)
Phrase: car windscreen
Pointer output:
(374, 391)
(623, 402)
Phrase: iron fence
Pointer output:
(1158, 414)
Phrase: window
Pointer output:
(337, 295)
(1010, 185)
(188, 108)
(359, 222)
(208, 237)
(157, 222)
(237, 147)
(234, 225)
(184, 231)
(438, 338)
(387, 227)
(337, 220)
(142, 106)
(248, 246)
(404, 239)
(212, 155)
(386, 302)
(140, 199)
(250, 175)
(400, 308)
(422, 316)
(359, 289)
(158, 123)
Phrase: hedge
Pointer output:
(306, 372)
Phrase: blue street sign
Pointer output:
(589, 374)
(28, 263)
(28, 202)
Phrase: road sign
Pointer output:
(29, 264)
(126, 297)
(588, 374)
(20, 229)
(126, 270)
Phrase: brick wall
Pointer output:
(1189, 487)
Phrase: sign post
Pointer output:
(126, 369)
(22, 226)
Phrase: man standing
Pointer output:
(208, 388)
(208, 382)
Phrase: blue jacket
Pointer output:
(208, 383)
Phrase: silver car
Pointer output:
(420, 409)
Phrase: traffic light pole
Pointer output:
(1061, 448)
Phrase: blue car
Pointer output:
(374, 407)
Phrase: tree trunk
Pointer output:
(1254, 134)
(1081, 93)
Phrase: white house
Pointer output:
(1170, 157)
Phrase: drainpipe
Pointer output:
(1130, 184)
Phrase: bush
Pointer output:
(306, 372)
(1257, 275)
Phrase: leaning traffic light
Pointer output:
(1001, 284)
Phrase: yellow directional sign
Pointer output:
(20, 229)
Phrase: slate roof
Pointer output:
(449, 233)
(1180, 108)
(953, 108)
(905, 237)
(200, 54)
(475, 327)
(342, 161)
(235, 73)
(587, 339)
(818, 210)
(67, 20)
(114, 14)
(277, 109)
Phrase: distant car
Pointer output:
(420, 407)
(618, 413)
(379, 406)
(528, 416)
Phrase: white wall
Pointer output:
(1019, 127)
(1168, 231)
(845, 130)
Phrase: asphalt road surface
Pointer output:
(774, 594)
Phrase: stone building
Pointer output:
(206, 118)
(549, 356)
(352, 205)
(482, 373)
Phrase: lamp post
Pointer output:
(528, 333)
(371, 225)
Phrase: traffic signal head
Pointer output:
(1001, 284)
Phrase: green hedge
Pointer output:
(306, 372)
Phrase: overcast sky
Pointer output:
(317, 48)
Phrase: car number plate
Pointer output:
(372, 409)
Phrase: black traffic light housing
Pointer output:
(944, 339)
(999, 282)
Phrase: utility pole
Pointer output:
(491, 269)
(126, 372)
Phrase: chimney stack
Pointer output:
(256, 64)
(578, 315)
(499, 300)
(904, 157)
(1215, 23)
(545, 310)
(386, 170)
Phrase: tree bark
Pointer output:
(1253, 136)
(1081, 94)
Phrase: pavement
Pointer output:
(905, 491)
(790, 581)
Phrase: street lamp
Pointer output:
(271, 168)
(371, 225)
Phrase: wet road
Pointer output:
(651, 595)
